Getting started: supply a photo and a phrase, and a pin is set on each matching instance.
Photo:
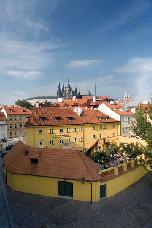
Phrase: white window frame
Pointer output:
(41, 132)
(68, 141)
(61, 130)
(68, 130)
(61, 141)
(51, 142)
(81, 139)
(51, 130)
(41, 144)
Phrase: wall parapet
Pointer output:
(115, 171)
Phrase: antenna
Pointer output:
(95, 90)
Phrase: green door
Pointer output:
(103, 191)
(65, 188)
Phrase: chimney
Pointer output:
(94, 97)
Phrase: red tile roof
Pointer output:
(124, 113)
(17, 110)
(48, 116)
(77, 102)
(95, 116)
(64, 116)
(57, 163)
(112, 106)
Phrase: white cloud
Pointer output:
(23, 74)
(24, 52)
(139, 71)
(82, 63)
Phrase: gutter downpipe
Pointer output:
(91, 192)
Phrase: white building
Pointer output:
(3, 126)
(125, 117)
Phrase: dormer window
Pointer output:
(57, 118)
(70, 118)
(42, 118)
(11, 110)
(34, 160)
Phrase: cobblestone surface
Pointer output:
(132, 208)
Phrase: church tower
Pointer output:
(59, 93)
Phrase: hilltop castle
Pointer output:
(66, 91)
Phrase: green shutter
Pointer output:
(65, 188)
(61, 188)
(103, 191)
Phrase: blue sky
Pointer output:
(105, 42)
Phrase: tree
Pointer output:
(24, 103)
(45, 104)
(131, 150)
(142, 125)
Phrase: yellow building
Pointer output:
(56, 127)
(65, 173)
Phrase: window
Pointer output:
(103, 191)
(57, 118)
(21, 125)
(15, 133)
(68, 140)
(61, 130)
(70, 118)
(81, 139)
(41, 144)
(81, 129)
(93, 127)
(123, 129)
(68, 130)
(113, 134)
(65, 188)
(51, 141)
(15, 125)
(113, 126)
(10, 134)
(11, 118)
(75, 129)
(21, 118)
(42, 118)
(51, 131)
(103, 126)
(94, 136)
(10, 125)
(75, 139)
(100, 136)
(125, 118)
(40, 131)
(16, 118)
(61, 141)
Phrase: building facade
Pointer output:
(56, 127)
(126, 118)
(66, 173)
(16, 118)
(3, 126)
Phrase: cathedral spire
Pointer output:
(59, 93)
